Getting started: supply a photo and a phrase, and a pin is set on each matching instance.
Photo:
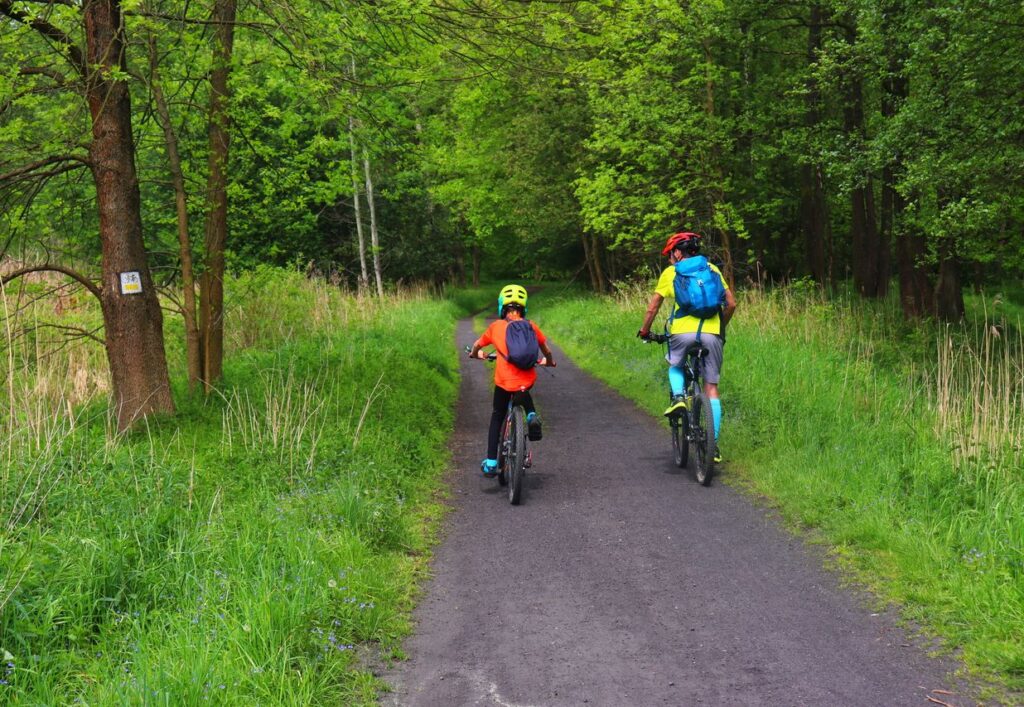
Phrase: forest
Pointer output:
(220, 477)
(862, 145)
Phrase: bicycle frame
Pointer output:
(695, 426)
(514, 456)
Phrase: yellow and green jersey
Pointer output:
(687, 325)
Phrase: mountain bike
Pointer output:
(514, 456)
(695, 425)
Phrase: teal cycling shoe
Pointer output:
(489, 467)
(533, 428)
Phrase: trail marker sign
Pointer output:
(131, 283)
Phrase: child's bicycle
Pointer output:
(695, 424)
(514, 456)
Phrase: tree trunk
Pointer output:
(133, 323)
(211, 308)
(716, 194)
(595, 249)
(949, 296)
(374, 242)
(915, 289)
(364, 276)
(884, 262)
(814, 217)
(476, 265)
(192, 348)
(865, 254)
(588, 261)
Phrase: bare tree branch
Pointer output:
(86, 282)
(44, 71)
(31, 170)
(79, 332)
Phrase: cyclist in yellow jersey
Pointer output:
(684, 330)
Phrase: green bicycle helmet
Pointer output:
(511, 294)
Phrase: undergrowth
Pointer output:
(260, 547)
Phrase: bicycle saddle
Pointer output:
(697, 348)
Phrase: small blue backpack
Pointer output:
(699, 289)
(521, 343)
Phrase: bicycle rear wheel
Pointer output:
(680, 445)
(516, 460)
(702, 428)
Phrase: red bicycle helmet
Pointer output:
(677, 238)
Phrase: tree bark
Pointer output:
(374, 242)
(211, 312)
(193, 351)
(915, 289)
(949, 296)
(595, 249)
(814, 216)
(364, 276)
(588, 260)
(133, 323)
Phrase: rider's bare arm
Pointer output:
(548, 356)
(652, 312)
(729, 308)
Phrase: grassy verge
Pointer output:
(259, 548)
(901, 448)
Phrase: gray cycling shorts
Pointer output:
(677, 343)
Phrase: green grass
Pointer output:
(263, 546)
(834, 414)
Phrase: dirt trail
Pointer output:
(620, 581)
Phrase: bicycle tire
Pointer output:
(502, 452)
(680, 444)
(516, 455)
(703, 428)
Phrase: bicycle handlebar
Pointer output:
(655, 338)
(543, 361)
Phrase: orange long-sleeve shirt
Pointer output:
(507, 376)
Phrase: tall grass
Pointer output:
(978, 394)
(259, 548)
(898, 445)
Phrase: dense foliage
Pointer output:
(829, 139)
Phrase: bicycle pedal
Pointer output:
(528, 462)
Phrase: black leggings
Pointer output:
(501, 397)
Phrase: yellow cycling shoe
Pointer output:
(677, 406)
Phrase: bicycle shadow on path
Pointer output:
(621, 581)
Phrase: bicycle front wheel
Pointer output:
(516, 461)
(680, 445)
(702, 428)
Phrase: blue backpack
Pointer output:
(522, 345)
(699, 289)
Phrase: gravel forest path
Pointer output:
(621, 581)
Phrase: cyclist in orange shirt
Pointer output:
(508, 378)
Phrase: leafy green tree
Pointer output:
(84, 48)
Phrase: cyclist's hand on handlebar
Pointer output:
(645, 335)
(546, 361)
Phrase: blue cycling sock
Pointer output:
(716, 412)
(676, 380)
